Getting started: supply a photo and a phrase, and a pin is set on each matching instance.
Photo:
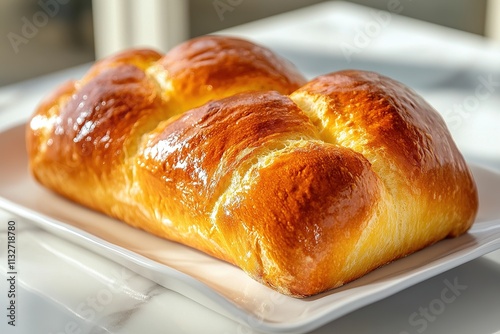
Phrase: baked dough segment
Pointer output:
(247, 179)
(214, 67)
(88, 130)
(429, 193)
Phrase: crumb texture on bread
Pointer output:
(224, 146)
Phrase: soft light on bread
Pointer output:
(223, 146)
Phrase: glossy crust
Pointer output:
(222, 145)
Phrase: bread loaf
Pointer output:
(222, 146)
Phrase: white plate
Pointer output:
(223, 287)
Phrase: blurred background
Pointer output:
(42, 36)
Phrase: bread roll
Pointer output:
(222, 146)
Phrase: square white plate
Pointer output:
(221, 286)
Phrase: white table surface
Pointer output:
(63, 288)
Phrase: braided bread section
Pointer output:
(222, 146)
(88, 131)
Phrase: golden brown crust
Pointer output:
(98, 121)
(219, 66)
(222, 146)
(318, 199)
(403, 137)
(140, 58)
